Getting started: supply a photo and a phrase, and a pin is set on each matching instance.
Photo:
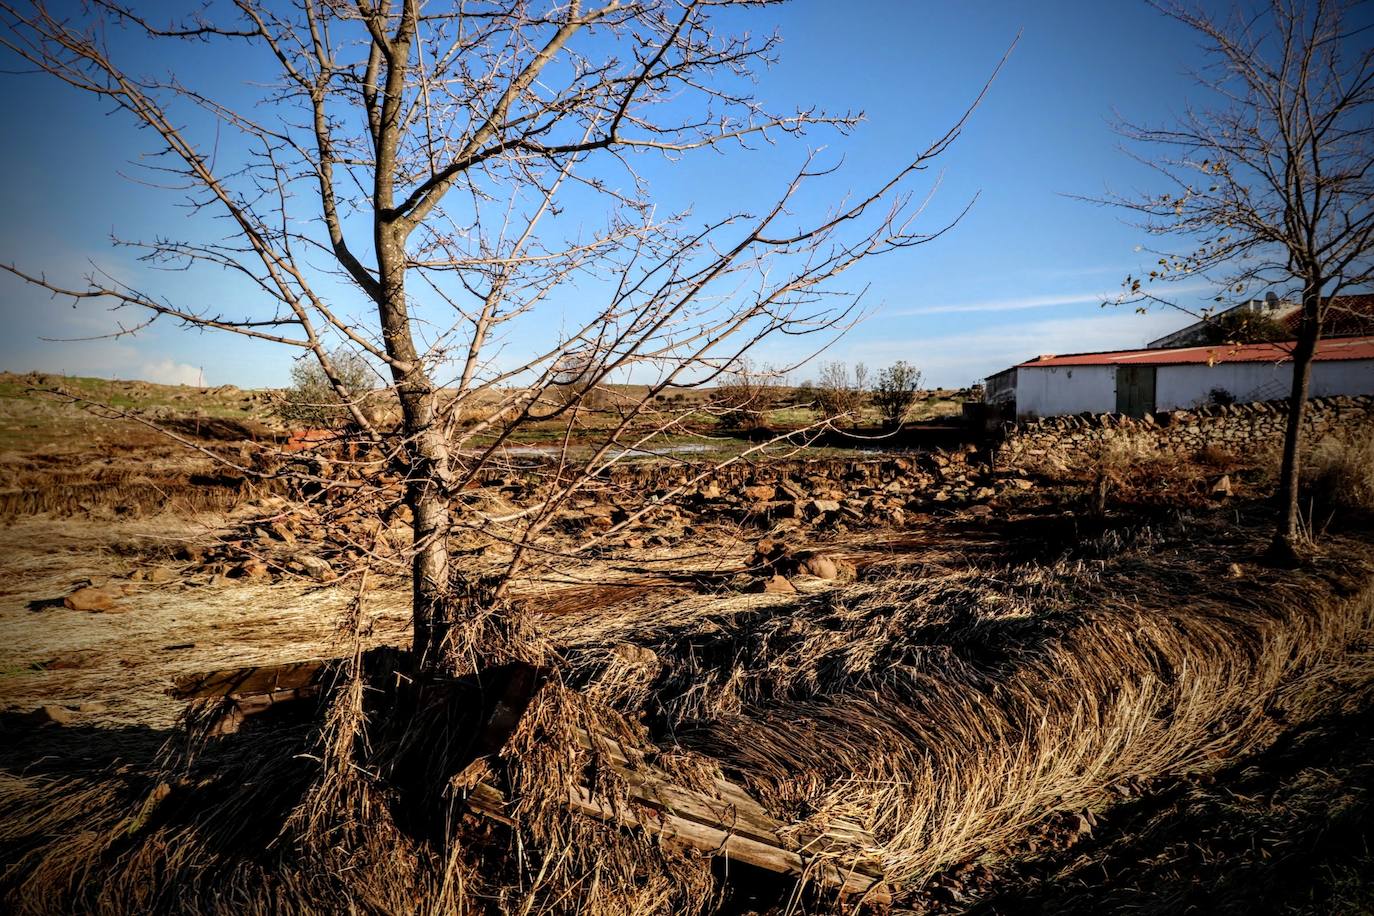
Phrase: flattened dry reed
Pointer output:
(916, 718)
(948, 715)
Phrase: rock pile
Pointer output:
(1236, 427)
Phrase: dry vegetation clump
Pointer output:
(1127, 467)
(945, 715)
(361, 815)
(924, 716)
(1339, 473)
(123, 491)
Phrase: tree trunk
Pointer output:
(1286, 546)
(428, 472)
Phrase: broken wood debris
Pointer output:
(722, 820)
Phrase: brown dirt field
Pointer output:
(1030, 666)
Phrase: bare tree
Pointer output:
(839, 397)
(1271, 184)
(747, 394)
(404, 176)
(895, 393)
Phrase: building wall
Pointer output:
(1000, 388)
(1196, 333)
(1182, 387)
(1052, 391)
(1237, 428)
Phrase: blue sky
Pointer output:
(1023, 274)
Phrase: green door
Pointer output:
(1135, 390)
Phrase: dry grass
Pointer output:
(947, 715)
(1339, 473)
(944, 707)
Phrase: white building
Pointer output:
(1137, 382)
(1271, 306)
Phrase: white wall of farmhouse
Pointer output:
(1185, 386)
(1052, 391)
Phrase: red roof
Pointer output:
(1340, 348)
(1346, 316)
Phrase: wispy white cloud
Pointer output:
(952, 360)
(1022, 303)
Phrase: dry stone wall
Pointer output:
(1234, 427)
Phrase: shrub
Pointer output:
(311, 400)
(836, 396)
(895, 393)
(1220, 397)
(1214, 456)
(574, 381)
(1339, 474)
(747, 396)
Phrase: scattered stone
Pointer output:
(1223, 486)
(282, 533)
(90, 599)
(824, 506)
(252, 569)
(159, 574)
(777, 584)
(50, 715)
(314, 567)
(193, 553)
(820, 566)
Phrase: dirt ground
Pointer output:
(1284, 826)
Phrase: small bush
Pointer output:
(1214, 456)
(1339, 474)
(747, 396)
(312, 401)
(836, 396)
(1220, 397)
(895, 393)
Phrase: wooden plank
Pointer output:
(726, 838)
(254, 680)
(732, 822)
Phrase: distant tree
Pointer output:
(836, 395)
(576, 382)
(748, 395)
(1243, 327)
(313, 400)
(1271, 183)
(895, 393)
